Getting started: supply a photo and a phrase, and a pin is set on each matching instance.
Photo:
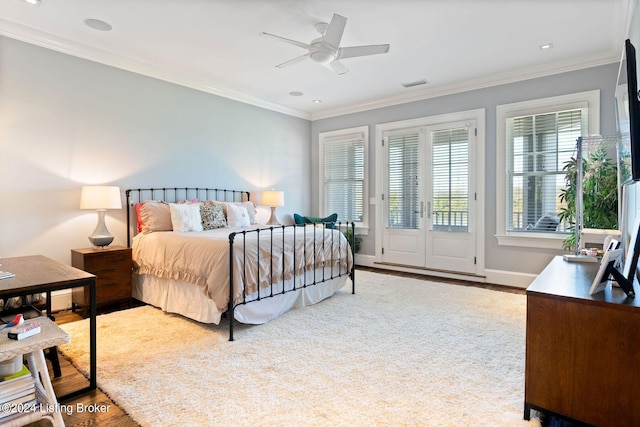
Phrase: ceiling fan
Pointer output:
(326, 49)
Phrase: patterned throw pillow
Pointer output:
(212, 216)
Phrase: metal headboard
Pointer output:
(176, 194)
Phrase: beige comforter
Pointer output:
(203, 258)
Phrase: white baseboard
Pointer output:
(61, 300)
(496, 277)
(509, 278)
(369, 261)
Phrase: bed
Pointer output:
(187, 268)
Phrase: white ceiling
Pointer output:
(215, 46)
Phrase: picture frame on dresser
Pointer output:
(609, 266)
(610, 260)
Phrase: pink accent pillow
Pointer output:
(139, 221)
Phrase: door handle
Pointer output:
(429, 210)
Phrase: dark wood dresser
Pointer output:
(112, 268)
(583, 351)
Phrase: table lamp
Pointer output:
(273, 199)
(100, 198)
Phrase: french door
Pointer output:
(428, 197)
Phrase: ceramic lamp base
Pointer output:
(101, 236)
(273, 220)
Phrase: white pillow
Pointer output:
(249, 206)
(185, 216)
(237, 216)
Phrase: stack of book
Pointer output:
(17, 393)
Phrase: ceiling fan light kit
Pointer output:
(326, 49)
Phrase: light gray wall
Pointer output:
(66, 122)
(497, 257)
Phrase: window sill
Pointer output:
(362, 230)
(531, 240)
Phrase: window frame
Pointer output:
(345, 135)
(589, 100)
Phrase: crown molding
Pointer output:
(469, 85)
(39, 38)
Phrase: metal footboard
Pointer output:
(238, 240)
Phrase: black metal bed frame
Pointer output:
(175, 194)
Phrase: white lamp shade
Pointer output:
(272, 198)
(100, 197)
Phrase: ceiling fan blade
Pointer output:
(333, 35)
(352, 52)
(293, 61)
(337, 67)
(289, 41)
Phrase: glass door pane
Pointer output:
(450, 180)
(404, 205)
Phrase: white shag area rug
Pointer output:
(400, 352)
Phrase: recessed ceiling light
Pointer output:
(546, 46)
(33, 2)
(317, 101)
(295, 93)
(97, 24)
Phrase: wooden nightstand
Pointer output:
(112, 267)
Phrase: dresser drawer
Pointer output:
(109, 261)
(112, 291)
(111, 277)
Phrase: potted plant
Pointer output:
(348, 234)
(599, 194)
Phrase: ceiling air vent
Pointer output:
(416, 83)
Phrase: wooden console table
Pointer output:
(36, 274)
(583, 351)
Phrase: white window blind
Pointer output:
(343, 185)
(404, 181)
(450, 177)
(538, 148)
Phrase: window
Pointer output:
(539, 146)
(450, 163)
(343, 174)
(535, 140)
